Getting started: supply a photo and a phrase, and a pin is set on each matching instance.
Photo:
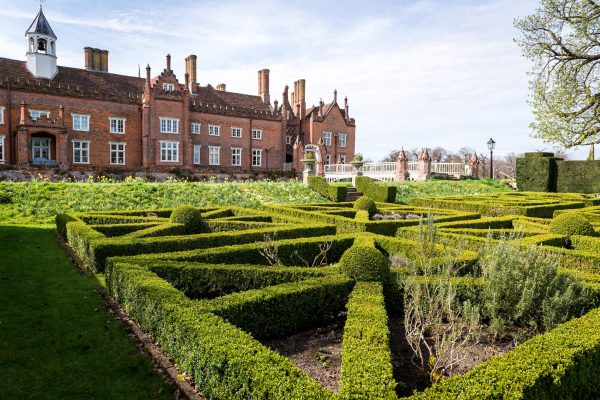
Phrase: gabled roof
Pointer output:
(326, 110)
(74, 81)
(41, 26)
(210, 95)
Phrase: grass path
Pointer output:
(57, 338)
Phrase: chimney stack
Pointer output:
(263, 85)
(190, 68)
(95, 59)
(148, 77)
(88, 53)
(168, 62)
(221, 87)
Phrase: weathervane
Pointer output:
(41, 2)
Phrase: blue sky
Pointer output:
(417, 73)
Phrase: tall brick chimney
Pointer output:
(263, 85)
(88, 53)
(190, 68)
(95, 59)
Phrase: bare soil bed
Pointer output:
(408, 376)
(316, 351)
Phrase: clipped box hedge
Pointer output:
(374, 190)
(223, 361)
(331, 192)
(366, 371)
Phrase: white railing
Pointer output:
(387, 170)
(455, 169)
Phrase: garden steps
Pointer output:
(352, 194)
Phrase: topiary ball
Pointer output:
(189, 217)
(570, 224)
(365, 263)
(366, 204)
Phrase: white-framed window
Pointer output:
(214, 130)
(342, 139)
(236, 132)
(288, 139)
(342, 159)
(214, 155)
(327, 138)
(1, 115)
(81, 151)
(328, 159)
(1, 149)
(35, 114)
(117, 153)
(169, 125)
(41, 148)
(117, 125)
(195, 128)
(81, 122)
(168, 87)
(256, 157)
(257, 134)
(236, 157)
(197, 154)
(169, 151)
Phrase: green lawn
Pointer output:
(57, 338)
(430, 188)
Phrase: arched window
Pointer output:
(42, 45)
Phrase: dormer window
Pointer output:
(168, 87)
(35, 114)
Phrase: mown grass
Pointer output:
(57, 338)
(39, 202)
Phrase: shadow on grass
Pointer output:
(57, 338)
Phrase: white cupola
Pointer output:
(41, 48)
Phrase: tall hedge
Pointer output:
(376, 191)
(536, 173)
(540, 172)
(578, 176)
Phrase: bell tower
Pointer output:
(41, 48)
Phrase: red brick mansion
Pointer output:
(72, 117)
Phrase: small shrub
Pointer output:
(522, 287)
(189, 217)
(364, 263)
(570, 224)
(366, 204)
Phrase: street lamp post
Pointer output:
(491, 144)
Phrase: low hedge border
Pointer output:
(289, 250)
(366, 371)
(331, 192)
(279, 310)
(561, 364)
(201, 280)
(226, 362)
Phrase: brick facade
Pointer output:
(75, 98)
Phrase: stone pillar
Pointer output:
(321, 159)
(401, 167)
(423, 165)
(474, 163)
